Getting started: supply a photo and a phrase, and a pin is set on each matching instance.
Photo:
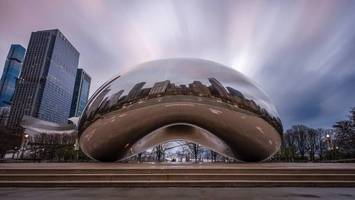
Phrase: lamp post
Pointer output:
(328, 142)
(76, 149)
(336, 152)
(332, 147)
(24, 143)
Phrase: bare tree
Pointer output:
(195, 149)
(345, 138)
(312, 144)
(159, 152)
(321, 147)
(301, 132)
(289, 144)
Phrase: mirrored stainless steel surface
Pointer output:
(34, 126)
(219, 107)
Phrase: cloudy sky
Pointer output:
(302, 53)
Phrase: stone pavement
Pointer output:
(177, 193)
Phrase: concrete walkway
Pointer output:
(177, 193)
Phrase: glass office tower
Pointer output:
(45, 87)
(11, 72)
(81, 93)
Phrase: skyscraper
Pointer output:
(199, 89)
(45, 87)
(135, 91)
(217, 88)
(12, 70)
(81, 92)
(235, 93)
(159, 88)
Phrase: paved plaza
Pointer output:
(177, 193)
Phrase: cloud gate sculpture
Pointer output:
(189, 99)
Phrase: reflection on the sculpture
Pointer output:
(153, 102)
(215, 91)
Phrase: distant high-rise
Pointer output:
(135, 91)
(199, 89)
(12, 70)
(46, 84)
(159, 88)
(235, 93)
(217, 88)
(81, 92)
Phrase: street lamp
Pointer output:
(76, 148)
(329, 142)
(332, 147)
(24, 143)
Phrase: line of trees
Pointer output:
(48, 147)
(302, 143)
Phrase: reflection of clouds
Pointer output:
(171, 77)
(184, 71)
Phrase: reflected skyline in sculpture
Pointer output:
(185, 89)
(215, 90)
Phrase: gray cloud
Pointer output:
(300, 52)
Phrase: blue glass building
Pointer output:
(81, 93)
(46, 84)
(12, 70)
